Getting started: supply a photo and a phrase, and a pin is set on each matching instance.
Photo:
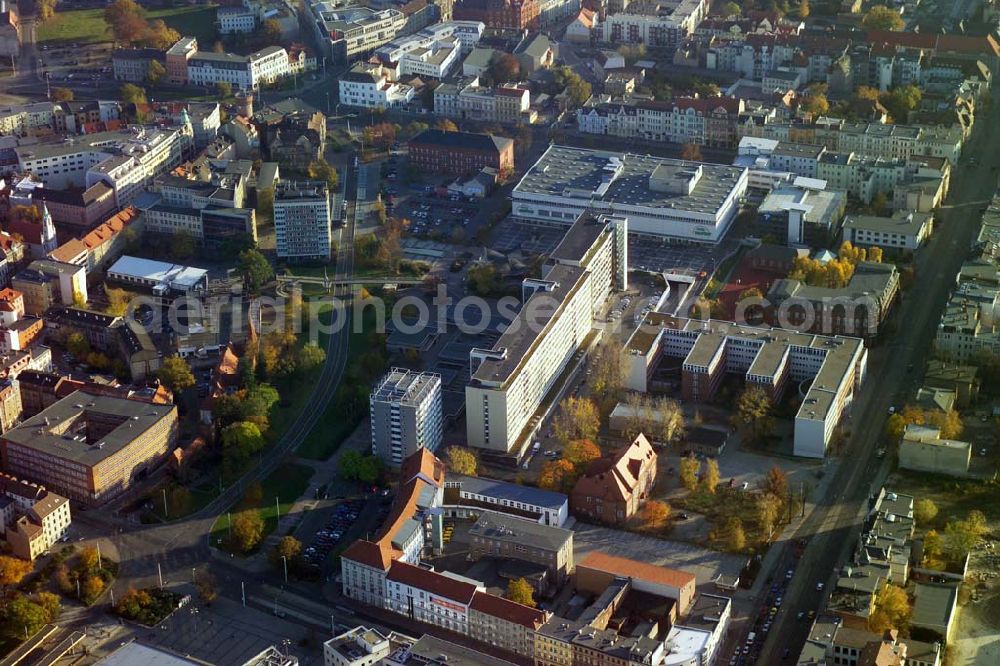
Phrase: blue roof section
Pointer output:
(509, 491)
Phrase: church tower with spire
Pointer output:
(48, 234)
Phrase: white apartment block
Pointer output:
(467, 33)
(369, 86)
(33, 517)
(704, 121)
(774, 359)
(406, 415)
(241, 19)
(905, 230)
(249, 72)
(512, 379)
(667, 24)
(348, 30)
(664, 198)
(125, 160)
(302, 220)
(358, 647)
(871, 139)
(502, 104)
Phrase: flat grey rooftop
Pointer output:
(501, 527)
(503, 490)
(592, 174)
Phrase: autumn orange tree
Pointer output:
(654, 514)
(557, 475)
(580, 452)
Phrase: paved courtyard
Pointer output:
(706, 565)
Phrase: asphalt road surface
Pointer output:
(834, 525)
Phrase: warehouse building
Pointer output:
(687, 202)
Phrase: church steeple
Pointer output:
(48, 235)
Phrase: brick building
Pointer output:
(515, 14)
(458, 153)
(91, 448)
(613, 486)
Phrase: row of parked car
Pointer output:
(327, 538)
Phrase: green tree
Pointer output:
(247, 530)
(731, 9)
(46, 9)
(265, 202)
(581, 452)
(62, 95)
(77, 344)
(504, 67)
(484, 280)
(155, 72)
(892, 609)
(577, 418)
(272, 30)
(320, 169)
(710, 479)
(88, 560)
(23, 617)
(256, 269)
(288, 547)
(124, 17)
(175, 373)
(816, 104)
(462, 460)
(159, 35)
(182, 245)
(354, 466)
(242, 439)
(736, 539)
(224, 90)
(520, 591)
(50, 604)
(132, 94)
(881, 17)
(924, 510)
(690, 467)
(118, 300)
(207, 587)
(753, 414)
(310, 357)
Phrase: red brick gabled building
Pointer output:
(459, 153)
(514, 14)
(610, 490)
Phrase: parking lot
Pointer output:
(332, 533)
(528, 238)
(433, 212)
(75, 62)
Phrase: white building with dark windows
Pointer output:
(512, 379)
(302, 220)
(406, 414)
(247, 72)
(371, 85)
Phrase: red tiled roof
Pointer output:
(620, 566)
(370, 554)
(505, 609)
(431, 582)
(422, 463)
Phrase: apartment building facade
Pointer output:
(511, 380)
(303, 220)
(372, 85)
(405, 413)
(503, 14)
(706, 121)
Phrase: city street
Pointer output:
(834, 524)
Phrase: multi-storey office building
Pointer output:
(504, 536)
(372, 85)
(664, 198)
(511, 380)
(348, 30)
(905, 230)
(127, 161)
(512, 14)
(466, 33)
(405, 410)
(248, 72)
(91, 448)
(771, 358)
(302, 220)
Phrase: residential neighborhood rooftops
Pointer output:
(621, 566)
(502, 527)
(502, 490)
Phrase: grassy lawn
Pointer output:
(286, 483)
(729, 503)
(88, 26)
(339, 420)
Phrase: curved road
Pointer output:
(184, 544)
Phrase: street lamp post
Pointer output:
(284, 561)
